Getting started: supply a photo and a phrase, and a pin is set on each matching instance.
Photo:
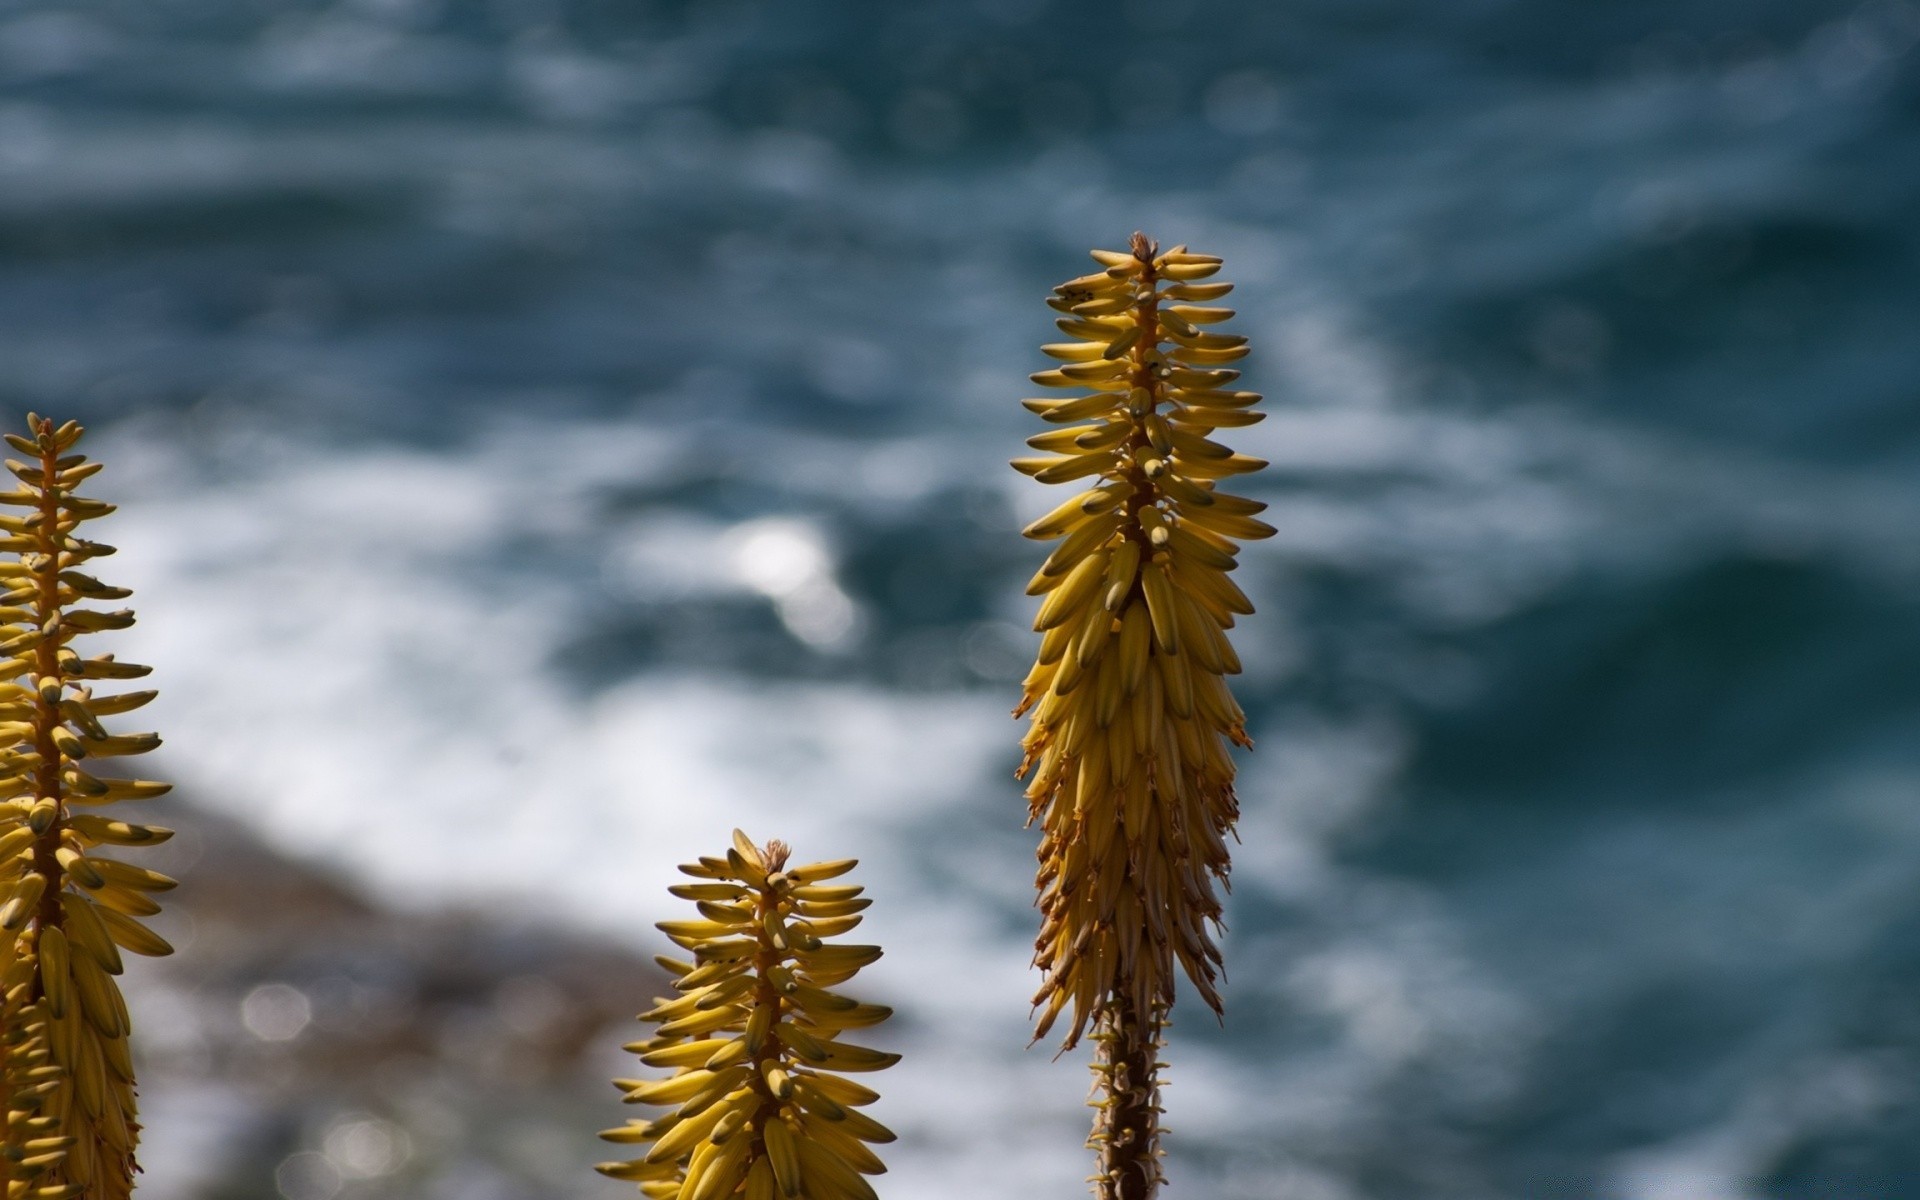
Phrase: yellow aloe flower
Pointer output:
(756, 1105)
(68, 909)
(1132, 780)
(32, 1143)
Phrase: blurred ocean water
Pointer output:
(550, 434)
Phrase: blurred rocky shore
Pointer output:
(307, 1043)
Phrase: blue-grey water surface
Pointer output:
(552, 432)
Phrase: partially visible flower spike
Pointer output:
(1132, 781)
(758, 1106)
(31, 1144)
(69, 909)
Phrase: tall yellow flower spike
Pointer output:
(759, 1109)
(68, 910)
(1132, 781)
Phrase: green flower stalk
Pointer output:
(757, 1107)
(68, 909)
(1131, 717)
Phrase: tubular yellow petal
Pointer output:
(1158, 590)
(867, 1129)
(56, 979)
(1198, 468)
(1177, 684)
(1102, 306)
(783, 1155)
(1087, 286)
(1204, 355)
(99, 1000)
(809, 1048)
(813, 894)
(834, 1136)
(778, 1081)
(1093, 372)
(860, 1016)
(702, 1022)
(1186, 271)
(130, 934)
(685, 1054)
(1095, 629)
(1061, 520)
(831, 1177)
(680, 1088)
(1094, 533)
(843, 1057)
(686, 1134)
(1197, 291)
(22, 901)
(1078, 587)
(1227, 524)
(812, 1100)
(821, 871)
(1195, 314)
(761, 1184)
(725, 1167)
(88, 932)
(103, 830)
(1202, 547)
(1102, 436)
(1077, 466)
(1075, 352)
(1135, 637)
(1079, 408)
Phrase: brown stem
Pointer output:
(1129, 1136)
(46, 716)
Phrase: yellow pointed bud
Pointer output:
(760, 1181)
(130, 934)
(783, 1156)
(21, 901)
(56, 979)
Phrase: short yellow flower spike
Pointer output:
(1132, 781)
(758, 1108)
(68, 910)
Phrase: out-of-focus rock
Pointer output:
(305, 1042)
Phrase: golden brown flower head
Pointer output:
(68, 908)
(756, 1105)
(1132, 782)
